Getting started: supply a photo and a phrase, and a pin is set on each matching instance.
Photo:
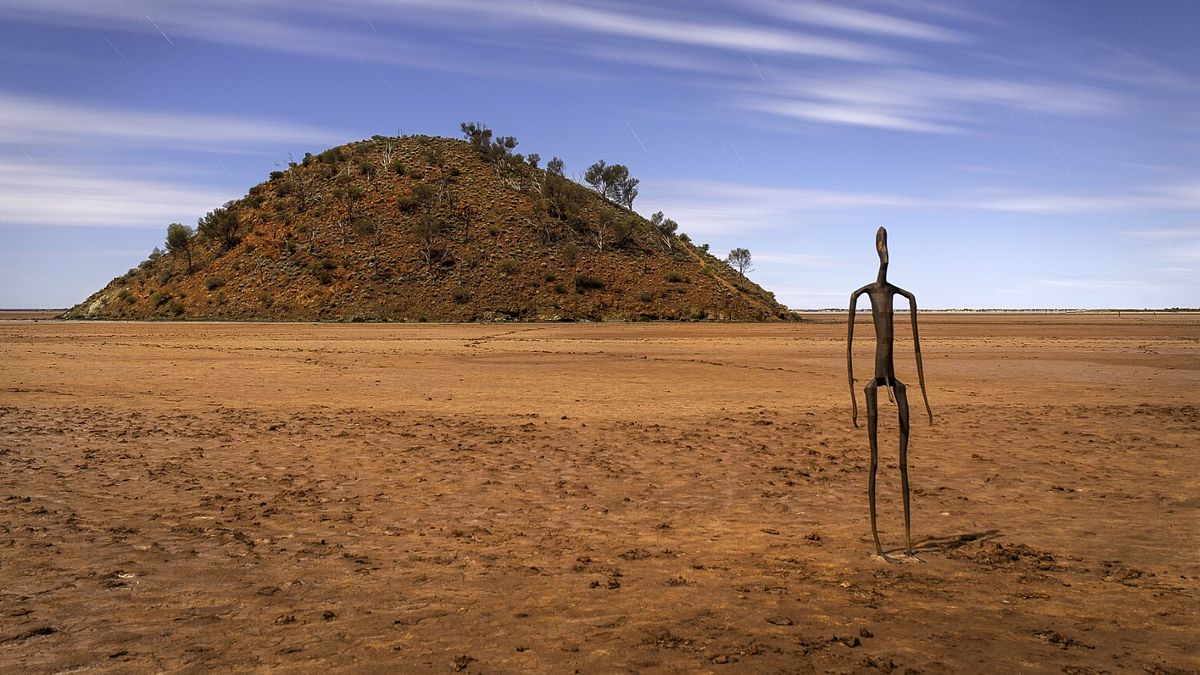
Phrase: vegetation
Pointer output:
(585, 282)
(612, 181)
(365, 216)
(221, 225)
(665, 228)
(348, 194)
(427, 230)
(622, 227)
(479, 136)
(179, 239)
(421, 197)
(739, 259)
(570, 252)
(366, 227)
(563, 199)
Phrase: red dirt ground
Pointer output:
(546, 498)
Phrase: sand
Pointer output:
(552, 498)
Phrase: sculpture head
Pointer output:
(881, 245)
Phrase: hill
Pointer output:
(420, 228)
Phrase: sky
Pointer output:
(1039, 154)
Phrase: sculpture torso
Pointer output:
(882, 295)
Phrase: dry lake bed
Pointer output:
(596, 497)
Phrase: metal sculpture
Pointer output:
(882, 295)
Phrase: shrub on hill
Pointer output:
(221, 225)
(179, 239)
(613, 181)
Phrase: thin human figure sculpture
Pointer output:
(882, 294)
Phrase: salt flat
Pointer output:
(660, 497)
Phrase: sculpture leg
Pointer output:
(902, 405)
(872, 392)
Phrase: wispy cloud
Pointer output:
(805, 260)
(1187, 254)
(44, 195)
(26, 119)
(972, 12)
(857, 20)
(875, 84)
(918, 101)
(341, 32)
(666, 59)
(740, 38)
(845, 114)
(1189, 232)
(658, 28)
(711, 207)
(263, 24)
(1177, 247)
(57, 254)
(714, 207)
(1183, 195)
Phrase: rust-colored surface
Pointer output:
(515, 498)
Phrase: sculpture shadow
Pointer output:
(950, 542)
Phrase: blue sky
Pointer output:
(1021, 154)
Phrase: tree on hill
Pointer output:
(221, 224)
(594, 176)
(502, 148)
(739, 259)
(613, 181)
(563, 199)
(621, 226)
(478, 135)
(665, 227)
(554, 167)
(387, 157)
(428, 230)
(179, 238)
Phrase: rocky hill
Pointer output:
(420, 228)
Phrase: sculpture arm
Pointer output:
(850, 354)
(912, 308)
